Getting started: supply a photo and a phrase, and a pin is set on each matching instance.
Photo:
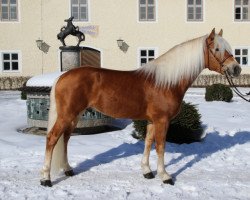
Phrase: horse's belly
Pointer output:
(121, 108)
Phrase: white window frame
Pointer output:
(248, 56)
(17, 5)
(155, 20)
(241, 13)
(79, 6)
(155, 49)
(18, 52)
(194, 6)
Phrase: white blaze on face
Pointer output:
(231, 66)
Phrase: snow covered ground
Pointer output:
(108, 165)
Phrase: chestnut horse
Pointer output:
(154, 92)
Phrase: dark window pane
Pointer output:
(237, 16)
(14, 65)
(143, 53)
(244, 60)
(74, 1)
(245, 13)
(142, 13)
(237, 13)
(244, 51)
(142, 1)
(143, 61)
(151, 53)
(14, 56)
(198, 16)
(198, 2)
(6, 56)
(150, 12)
(4, 1)
(83, 1)
(237, 51)
(237, 2)
(245, 2)
(150, 59)
(237, 59)
(190, 10)
(5, 13)
(6, 66)
(198, 10)
(190, 2)
(150, 1)
(190, 16)
(13, 1)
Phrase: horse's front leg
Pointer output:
(147, 173)
(160, 139)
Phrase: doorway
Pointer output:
(90, 57)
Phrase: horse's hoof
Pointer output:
(149, 175)
(169, 181)
(46, 183)
(69, 173)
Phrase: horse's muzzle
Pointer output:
(234, 70)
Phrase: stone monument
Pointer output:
(70, 55)
(38, 88)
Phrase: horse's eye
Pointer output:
(217, 49)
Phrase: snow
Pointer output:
(43, 80)
(108, 164)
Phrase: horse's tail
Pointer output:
(58, 152)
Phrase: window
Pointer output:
(146, 55)
(242, 55)
(79, 9)
(241, 10)
(8, 10)
(194, 10)
(10, 62)
(147, 10)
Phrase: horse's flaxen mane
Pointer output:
(184, 61)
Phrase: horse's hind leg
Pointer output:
(52, 138)
(160, 139)
(67, 169)
(147, 173)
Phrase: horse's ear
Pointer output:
(220, 33)
(212, 34)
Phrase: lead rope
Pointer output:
(235, 89)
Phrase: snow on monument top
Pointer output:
(43, 80)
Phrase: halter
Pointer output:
(229, 79)
(220, 62)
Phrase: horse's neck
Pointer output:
(69, 24)
(183, 85)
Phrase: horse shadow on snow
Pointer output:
(212, 143)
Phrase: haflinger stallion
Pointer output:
(153, 92)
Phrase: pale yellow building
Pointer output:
(148, 28)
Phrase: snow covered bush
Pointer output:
(218, 92)
(184, 128)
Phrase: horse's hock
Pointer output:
(38, 90)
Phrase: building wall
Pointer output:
(115, 19)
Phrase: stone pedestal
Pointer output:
(70, 57)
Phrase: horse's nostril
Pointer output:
(236, 70)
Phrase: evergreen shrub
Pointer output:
(218, 92)
(184, 128)
(23, 95)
